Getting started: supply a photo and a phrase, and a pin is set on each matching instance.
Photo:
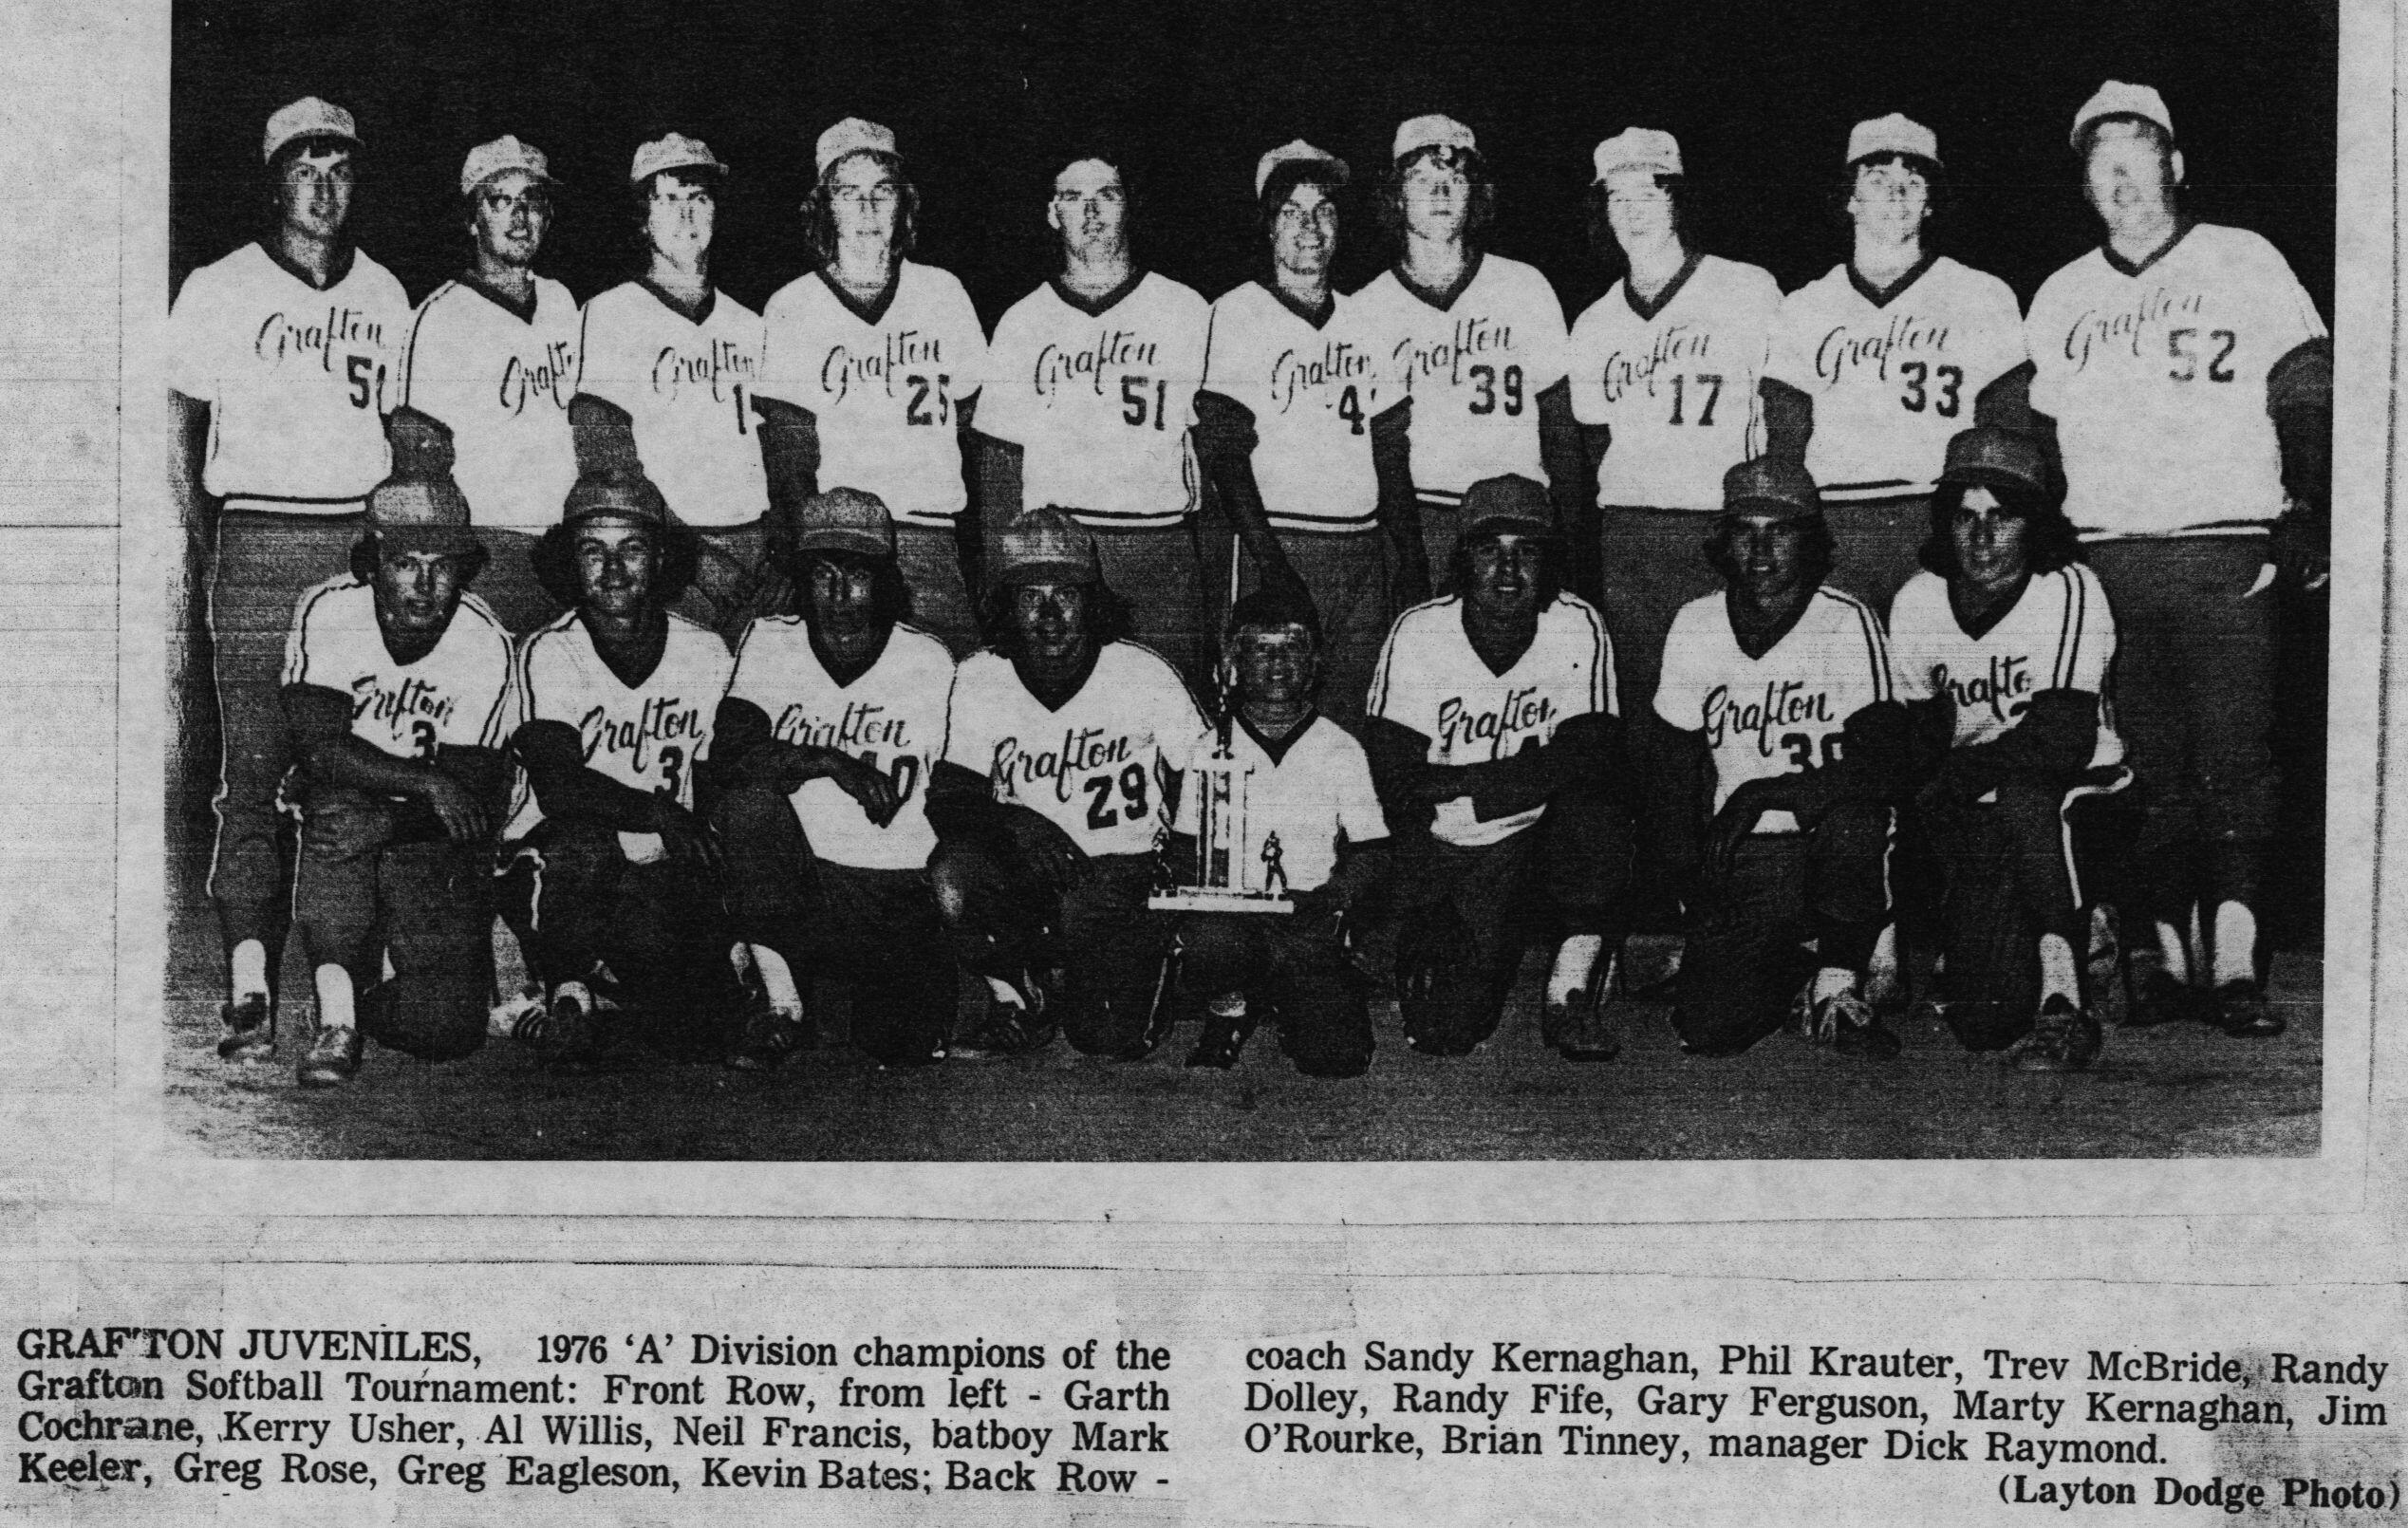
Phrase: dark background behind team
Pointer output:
(989, 99)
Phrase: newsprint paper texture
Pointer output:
(1793, 1285)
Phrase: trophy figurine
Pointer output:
(1225, 881)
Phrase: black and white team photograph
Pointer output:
(1244, 584)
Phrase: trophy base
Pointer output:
(1203, 900)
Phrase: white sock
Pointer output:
(249, 976)
(778, 980)
(1006, 992)
(1831, 981)
(576, 992)
(334, 999)
(1574, 964)
(2236, 944)
(2060, 977)
(1227, 1005)
(2175, 954)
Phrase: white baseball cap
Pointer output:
(1432, 131)
(672, 151)
(1291, 152)
(1638, 148)
(487, 161)
(307, 118)
(2116, 98)
(851, 136)
(1892, 133)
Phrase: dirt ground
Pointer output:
(2183, 1091)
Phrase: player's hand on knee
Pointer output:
(453, 804)
(682, 835)
(872, 788)
(1733, 826)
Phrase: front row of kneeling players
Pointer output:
(698, 836)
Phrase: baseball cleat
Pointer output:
(1224, 1037)
(250, 1031)
(771, 1036)
(1582, 1028)
(333, 1059)
(561, 1029)
(2240, 1010)
(1008, 1028)
(1845, 1022)
(2165, 999)
(2063, 1039)
(503, 1018)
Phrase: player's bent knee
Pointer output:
(429, 1018)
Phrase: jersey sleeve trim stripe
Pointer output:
(409, 346)
(297, 639)
(1600, 661)
(1877, 646)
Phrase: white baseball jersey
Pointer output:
(1893, 378)
(1473, 369)
(458, 695)
(648, 736)
(1314, 390)
(1430, 679)
(1095, 767)
(502, 379)
(688, 386)
(2156, 378)
(1676, 380)
(1783, 712)
(883, 384)
(2058, 635)
(1314, 791)
(1101, 398)
(298, 379)
(891, 718)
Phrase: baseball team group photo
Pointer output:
(1078, 585)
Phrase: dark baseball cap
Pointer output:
(1274, 606)
(1509, 505)
(1771, 485)
(1988, 456)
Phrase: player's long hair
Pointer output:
(1550, 580)
(1600, 229)
(640, 208)
(369, 550)
(554, 556)
(1108, 618)
(2049, 540)
(1939, 202)
(1483, 193)
(889, 596)
(1819, 551)
(819, 215)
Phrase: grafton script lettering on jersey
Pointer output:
(1085, 749)
(1629, 371)
(281, 339)
(1844, 349)
(540, 378)
(2122, 329)
(1525, 715)
(1471, 337)
(844, 365)
(1057, 368)
(664, 719)
(2001, 691)
(862, 728)
(674, 370)
(1786, 703)
(1298, 372)
(415, 697)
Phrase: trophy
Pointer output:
(1224, 880)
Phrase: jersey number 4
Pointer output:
(1101, 812)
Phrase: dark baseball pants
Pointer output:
(1442, 526)
(2013, 868)
(2195, 701)
(1347, 575)
(877, 929)
(1458, 909)
(726, 580)
(1005, 919)
(576, 901)
(1155, 570)
(1747, 952)
(931, 562)
(1875, 546)
(1290, 965)
(264, 564)
(374, 884)
(1653, 562)
(508, 585)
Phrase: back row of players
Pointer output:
(2178, 374)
